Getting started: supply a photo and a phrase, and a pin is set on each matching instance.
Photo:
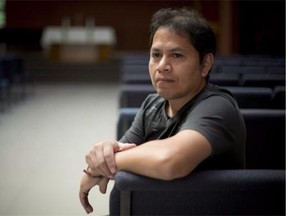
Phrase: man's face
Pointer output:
(174, 66)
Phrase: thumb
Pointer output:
(103, 185)
(125, 146)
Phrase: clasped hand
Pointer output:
(101, 168)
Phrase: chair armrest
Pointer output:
(209, 180)
(229, 192)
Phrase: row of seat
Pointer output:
(265, 146)
(229, 64)
(142, 58)
(251, 88)
(138, 74)
(257, 190)
(12, 78)
(262, 103)
(249, 65)
(209, 192)
(132, 95)
(261, 106)
(248, 71)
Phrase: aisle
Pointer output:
(43, 140)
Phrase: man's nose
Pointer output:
(164, 65)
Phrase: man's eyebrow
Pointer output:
(170, 50)
(155, 49)
(177, 49)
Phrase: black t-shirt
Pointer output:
(213, 112)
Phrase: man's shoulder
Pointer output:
(215, 89)
(221, 93)
(153, 100)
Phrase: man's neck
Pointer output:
(173, 106)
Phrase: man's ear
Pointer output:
(207, 64)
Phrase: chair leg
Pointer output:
(125, 203)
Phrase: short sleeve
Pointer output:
(135, 133)
(216, 118)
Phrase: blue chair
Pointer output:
(224, 79)
(209, 192)
(132, 95)
(252, 97)
(266, 133)
(257, 190)
(263, 80)
(279, 97)
(266, 138)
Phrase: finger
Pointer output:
(85, 202)
(109, 156)
(85, 187)
(103, 185)
(98, 161)
(90, 157)
(107, 161)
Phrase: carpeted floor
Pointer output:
(43, 141)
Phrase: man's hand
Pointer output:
(101, 163)
(88, 182)
(101, 158)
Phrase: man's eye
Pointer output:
(177, 55)
(155, 55)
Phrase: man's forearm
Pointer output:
(147, 159)
(166, 159)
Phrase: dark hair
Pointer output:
(189, 22)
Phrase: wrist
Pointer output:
(90, 174)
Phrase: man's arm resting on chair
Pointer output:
(166, 159)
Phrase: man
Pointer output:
(188, 124)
